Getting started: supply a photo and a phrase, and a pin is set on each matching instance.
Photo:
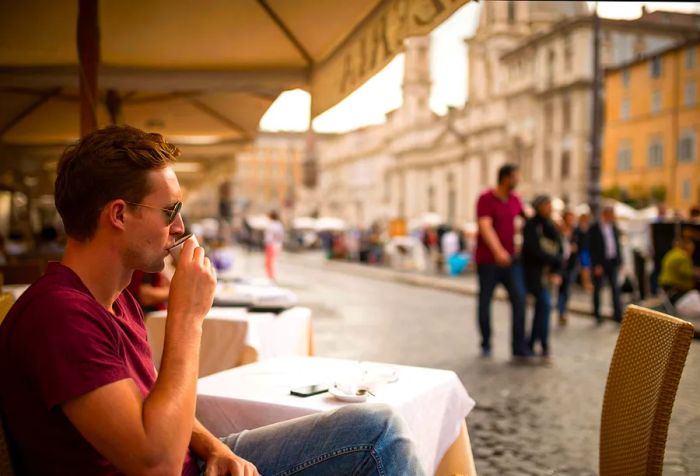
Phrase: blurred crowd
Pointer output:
(555, 251)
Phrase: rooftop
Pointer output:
(647, 57)
(660, 20)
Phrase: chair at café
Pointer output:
(6, 302)
(642, 381)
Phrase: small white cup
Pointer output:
(176, 249)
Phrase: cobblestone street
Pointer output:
(528, 419)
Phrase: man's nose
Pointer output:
(178, 226)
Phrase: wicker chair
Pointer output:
(6, 302)
(644, 373)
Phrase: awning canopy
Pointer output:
(201, 72)
(195, 68)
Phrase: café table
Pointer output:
(234, 336)
(433, 402)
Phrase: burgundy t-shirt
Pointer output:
(56, 344)
(502, 213)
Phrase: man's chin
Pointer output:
(155, 267)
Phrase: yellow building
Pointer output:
(651, 140)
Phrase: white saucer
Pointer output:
(346, 397)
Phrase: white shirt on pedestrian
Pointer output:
(609, 239)
(274, 234)
(450, 243)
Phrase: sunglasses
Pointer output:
(170, 213)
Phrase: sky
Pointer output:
(381, 94)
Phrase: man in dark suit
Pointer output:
(606, 257)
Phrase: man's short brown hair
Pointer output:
(105, 165)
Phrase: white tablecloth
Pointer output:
(270, 335)
(433, 402)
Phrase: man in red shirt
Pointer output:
(79, 392)
(496, 261)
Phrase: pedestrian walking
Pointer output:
(496, 260)
(657, 254)
(570, 263)
(274, 237)
(606, 257)
(542, 263)
(582, 238)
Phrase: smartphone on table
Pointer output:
(309, 390)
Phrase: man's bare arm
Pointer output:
(491, 238)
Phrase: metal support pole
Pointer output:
(594, 164)
(88, 37)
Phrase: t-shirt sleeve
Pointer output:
(483, 207)
(73, 352)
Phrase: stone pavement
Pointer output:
(528, 420)
(580, 301)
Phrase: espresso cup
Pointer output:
(176, 249)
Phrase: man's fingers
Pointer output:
(187, 250)
(198, 255)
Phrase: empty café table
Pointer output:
(235, 336)
(433, 402)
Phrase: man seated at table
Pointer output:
(678, 278)
(80, 394)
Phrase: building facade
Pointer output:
(269, 172)
(652, 132)
(529, 101)
(261, 176)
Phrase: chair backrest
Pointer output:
(644, 373)
(6, 302)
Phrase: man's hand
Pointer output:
(502, 258)
(193, 285)
(222, 462)
(598, 270)
(555, 279)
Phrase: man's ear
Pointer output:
(116, 210)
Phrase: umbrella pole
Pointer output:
(89, 57)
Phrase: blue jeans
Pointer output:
(540, 323)
(355, 439)
(567, 279)
(511, 277)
